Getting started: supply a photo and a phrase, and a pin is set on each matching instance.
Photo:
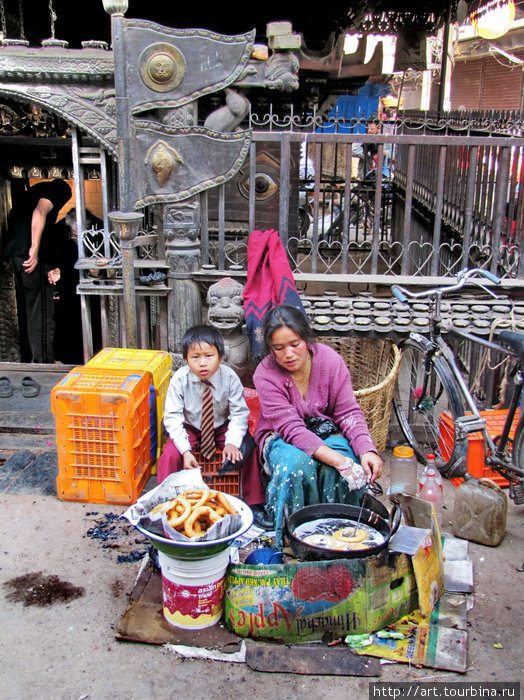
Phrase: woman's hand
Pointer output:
(53, 276)
(372, 465)
(371, 462)
(32, 260)
(231, 453)
(190, 461)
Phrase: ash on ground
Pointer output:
(37, 588)
(116, 533)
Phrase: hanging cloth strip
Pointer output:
(269, 283)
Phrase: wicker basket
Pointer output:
(374, 364)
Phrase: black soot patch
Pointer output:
(40, 589)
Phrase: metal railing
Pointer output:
(411, 199)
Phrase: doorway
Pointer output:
(36, 151)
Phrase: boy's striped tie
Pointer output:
(207, 428)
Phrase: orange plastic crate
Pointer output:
(156, 363)
(102, 430)
(476, 454)
(227, 483)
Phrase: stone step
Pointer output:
(35, 442)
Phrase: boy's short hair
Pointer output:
(203, 334)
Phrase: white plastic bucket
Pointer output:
(193, 589)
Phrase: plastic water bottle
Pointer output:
(430, 465)
(432, 491)
(403, 472)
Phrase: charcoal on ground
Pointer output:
(40, 589)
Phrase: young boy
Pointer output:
(203, 350)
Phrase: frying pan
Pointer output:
(308, 552)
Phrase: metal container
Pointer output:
(354, 514)
(202, 549)
(480, 512)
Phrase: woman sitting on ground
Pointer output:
(301, 383)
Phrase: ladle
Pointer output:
(355, 527)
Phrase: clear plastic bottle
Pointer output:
(403, 472)
(430, 464)
(431, 491)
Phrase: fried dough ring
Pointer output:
(221, 498)
(323, 541)
(197, 497)
(201, 513)
(163, 507)
(359, 535)
(180, 518)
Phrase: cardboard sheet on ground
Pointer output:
(309, 659)
(434, 635)
(144, 622)
(425, 642)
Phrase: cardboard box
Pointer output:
(304, 600)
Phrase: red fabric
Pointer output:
(269, 283)
(253, 403)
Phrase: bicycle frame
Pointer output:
(497, 456)
(497, 451)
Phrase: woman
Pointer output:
(298, 380)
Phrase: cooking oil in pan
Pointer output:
(339, 534)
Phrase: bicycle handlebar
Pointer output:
(398, 292)
(463, 276)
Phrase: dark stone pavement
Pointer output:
(28, 454)
(29, 473)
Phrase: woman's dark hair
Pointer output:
(202, 334)
(290, 316)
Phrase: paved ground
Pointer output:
(68, 649)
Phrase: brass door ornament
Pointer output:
(162, 67)
(163, 159)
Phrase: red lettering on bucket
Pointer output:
(192, 600)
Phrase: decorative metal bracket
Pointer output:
(169, 165)
(172, 67)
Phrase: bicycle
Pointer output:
(362, 207)
(430, 384)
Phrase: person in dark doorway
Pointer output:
(32, 251)
(68, 341)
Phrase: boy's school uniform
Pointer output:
(184, 405)
(183, 419)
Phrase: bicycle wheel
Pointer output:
(427, 417)
(517, 487)
(362, 213)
